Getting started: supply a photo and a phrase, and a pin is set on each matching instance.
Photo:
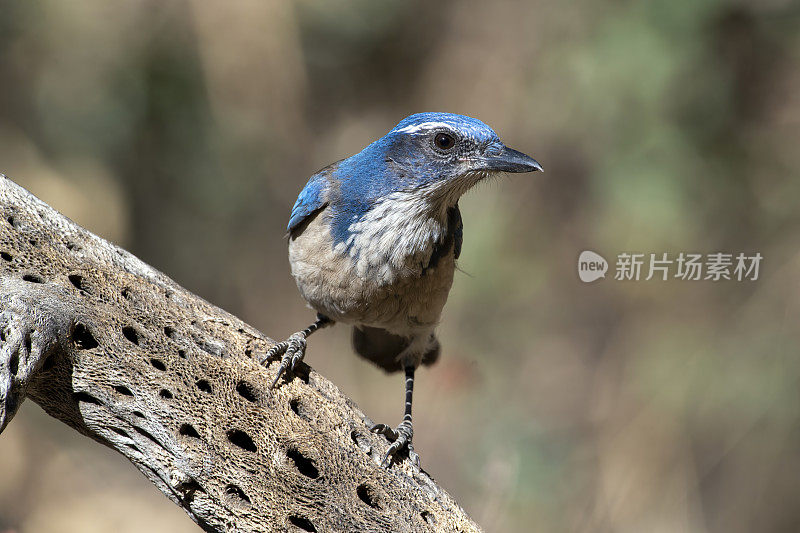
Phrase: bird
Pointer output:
(374, 239)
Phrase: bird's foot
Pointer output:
(400, 439)
(293, 350)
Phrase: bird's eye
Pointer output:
(444, 141)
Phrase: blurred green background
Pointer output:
(183, 131)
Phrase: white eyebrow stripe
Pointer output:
(414, 128)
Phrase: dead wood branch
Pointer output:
(120, 352)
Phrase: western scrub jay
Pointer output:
(374, 239)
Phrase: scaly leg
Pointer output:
(294, 348)
(401, 437)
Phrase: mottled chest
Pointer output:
(396, 238)
(391, 271)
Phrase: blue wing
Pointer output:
(312, 198)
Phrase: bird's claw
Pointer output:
(293, 350)
(400, 439)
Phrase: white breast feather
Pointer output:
(397, 234)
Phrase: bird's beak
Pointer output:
(507, 160)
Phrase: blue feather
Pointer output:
(362, 180)
(312, 198)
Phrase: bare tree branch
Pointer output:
(120, 352)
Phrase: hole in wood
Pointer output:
(164, 393)
(303, 523)
(237, 494)
(32, 278)
(356, 436)
(304, 465)
(182, 354)
(187, 430)
(85, 397)
(138, 414)
(122, 389)
(242, 440)
(428, 517)
(83, 338)
(27, 342)
(170, 332)
(298, 407)
(6, 256)
(190, 489)
(368, 495)
(302, 372)
(12, 221)
(126, 293)
(121, 432)
(203, 385)
(246, 391)
(13, 363)
(130, 334)
(158, 364)
(77, 281)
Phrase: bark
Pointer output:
(121, 353)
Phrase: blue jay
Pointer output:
(374, 239)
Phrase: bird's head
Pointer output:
(439, 154)
(418, 170)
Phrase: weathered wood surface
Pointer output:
(115, 349)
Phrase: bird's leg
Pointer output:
(294, 348)
(401, 437)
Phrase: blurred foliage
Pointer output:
(183, 130)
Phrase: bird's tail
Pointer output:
(382, 348)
